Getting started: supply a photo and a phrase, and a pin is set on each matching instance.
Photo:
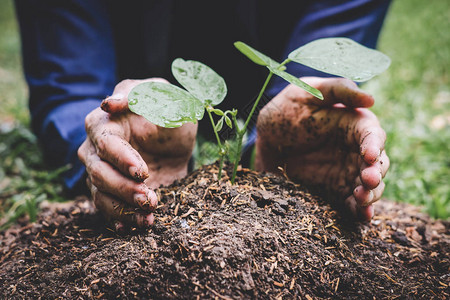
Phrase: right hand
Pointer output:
(126, 157)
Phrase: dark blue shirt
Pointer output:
(76, 51)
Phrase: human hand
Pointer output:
(336, 143)
(126, 157)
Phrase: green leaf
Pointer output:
(200, 80)
(228, 121)
(219, 125)
(342, 57)
(164, 104)
(255, 56)
(294, 80)
(217, 111)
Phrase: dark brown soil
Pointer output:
(264, 238)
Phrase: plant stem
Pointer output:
(221, 150)
(257, 102)
(240, 137)
(241, 131)
(219, 176)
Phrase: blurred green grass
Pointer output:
(13, 91)
(25, 181)
(412, 102)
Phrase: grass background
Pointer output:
(412, 102)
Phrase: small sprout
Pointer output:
(169, 106)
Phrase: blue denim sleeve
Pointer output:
(360, 20)
(69, 65)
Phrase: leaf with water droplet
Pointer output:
(200, 80)
(256, 56)
(164, 104)
(343, 57)
(294, 80)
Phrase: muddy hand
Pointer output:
(126, 157)
(337, 142)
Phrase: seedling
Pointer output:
(169, 106)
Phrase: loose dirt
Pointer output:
(264, 238)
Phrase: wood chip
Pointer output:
(175, 212)
(123, 245)
(190, 211)
(278, 284)
(291, 286)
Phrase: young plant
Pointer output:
(169, 106)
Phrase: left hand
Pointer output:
(337, 143)
(126, 157)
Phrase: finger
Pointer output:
(362, 213)
(366, 197)
(114, 149)
(118, 102)
(371, 175)
(362, 130)
(338, 90)
(116, 210)
(83, 151)
(384, 163)
(365, 213)
(115, 104)
(372, 140)
(109, 180)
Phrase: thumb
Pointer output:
(338, 90)
(118, 102)
(115, 104)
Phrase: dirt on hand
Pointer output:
(264, 238)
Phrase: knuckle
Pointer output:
(127, 81)
(101, 145)
(90, 119)
(81, 153)
(348, 82)
(124, 84)
(95, 173)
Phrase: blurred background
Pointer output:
(412, 103)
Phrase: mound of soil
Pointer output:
(263, 238)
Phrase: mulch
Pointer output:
(263, 238)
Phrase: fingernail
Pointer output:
(141, 200)
(153, 198)
(370, 199)
(134, 172)
(137, 174)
